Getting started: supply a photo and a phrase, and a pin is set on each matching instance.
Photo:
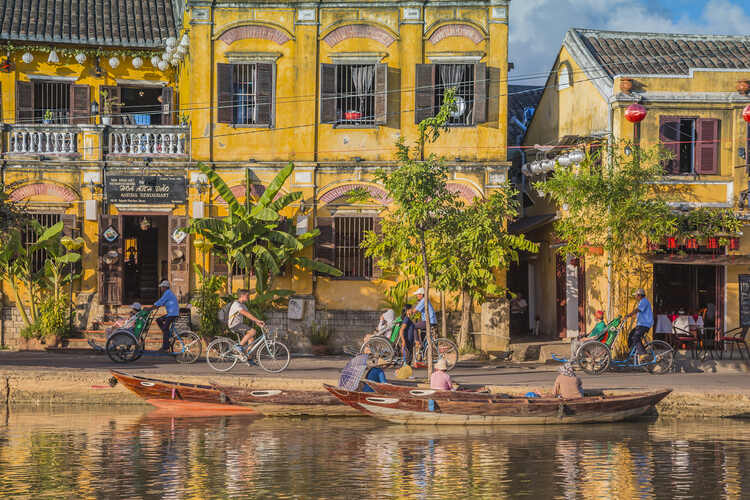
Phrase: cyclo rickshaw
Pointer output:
(594, 355)
(126, 345)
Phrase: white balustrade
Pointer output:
(27, 140)
(148, 141)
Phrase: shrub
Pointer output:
(208, 301)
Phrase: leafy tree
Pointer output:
(474, 248)
(254, 238)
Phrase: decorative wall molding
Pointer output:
(41, 189)
(466, 192)
(254, 31)
(456, 29)
(377, 193)
(348, 31)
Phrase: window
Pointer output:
(246, 94)
(49, 101)
(470, 82)
(693, 142)
(563, 78)
(339, 244)
(354, 94)
(29, 237)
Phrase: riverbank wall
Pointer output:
(92, 387)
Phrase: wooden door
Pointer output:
(111, 259)
(561, 281)
(179, 257)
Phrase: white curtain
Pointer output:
(452, 75)
(363, 78)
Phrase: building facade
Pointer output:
(693, 89)
(110, 142)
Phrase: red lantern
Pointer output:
(635, 113)
(691, 244)
(713, 243)
(746, 113)
(734, 243)
(671, 243)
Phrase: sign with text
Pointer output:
(149, 189)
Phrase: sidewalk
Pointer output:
(81, 378)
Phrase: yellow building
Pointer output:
(245, 88)
(692, 87)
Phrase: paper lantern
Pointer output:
(182, 50)
(155, 61)
(745, 112)
(171, 41)
(576, 156)
(27, 57)
(53, 59)
(163, 65)
(137, 62)
(564, 160)
(185, 40)
(81, 58)
(635, 113)
(114, 62)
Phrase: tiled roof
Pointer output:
(621, 53)
(522, 101)
(123, 23)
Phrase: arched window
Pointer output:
(563, 78)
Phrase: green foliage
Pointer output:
(397, 295)
(707, 222)
(207, 300)
(54, 317)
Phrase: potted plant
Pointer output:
(319, 339)
(107, 104)
(47, 119)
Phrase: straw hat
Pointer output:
(441, 365)
(372, 362)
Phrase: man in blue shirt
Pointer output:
(644, 321)
(169, 301)
(421, 325)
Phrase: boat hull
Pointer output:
(509, 411)
(422, 393)
(199, 408)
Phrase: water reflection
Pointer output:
(69, 453)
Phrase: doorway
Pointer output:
(146, 246)
(141, 106)
(698, 289)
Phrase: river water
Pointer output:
(117, 453)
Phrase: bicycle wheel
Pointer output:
(446, 349)
(662, 356)
(273, 356)
(221, 354)
(378, 347)
(187, 348)
(593, 357)
(122, 347)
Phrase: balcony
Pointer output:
(134, 141)
(43, 139)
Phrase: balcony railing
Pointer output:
(43, 139)
(149, 140)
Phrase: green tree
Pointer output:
(254, 237)
(474, 247)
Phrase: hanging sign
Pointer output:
(149, 189)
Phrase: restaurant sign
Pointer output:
(149, 189)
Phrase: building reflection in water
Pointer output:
(93, 454)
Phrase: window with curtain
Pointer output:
(355, 96)
(461, 78)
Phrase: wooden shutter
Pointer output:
(707, 147)
(480, 93)
(69, 224)
(179, 258)
(378, 229)
(669, 136)
(80, 104)
(110, 275)
(264, 87)
(424, 92)
(327, 93)
(225, 93)
(325, 244)
(167, 106)
(381, 94)
(24, 103)
(113, 92)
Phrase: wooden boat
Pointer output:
(215, 397)
(422, 393)
(512, 410)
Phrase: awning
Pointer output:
(704, 260)
(526, 224)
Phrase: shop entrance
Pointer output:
(698, 289)
(145, 239)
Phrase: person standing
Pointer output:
(644, 321)
(169, 300)
(422, 305)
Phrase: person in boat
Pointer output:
(375, 373)
(568, 385)
(599, 332)
(121, 323)
(440, 380)
(236, 319)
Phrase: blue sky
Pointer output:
(537, 27)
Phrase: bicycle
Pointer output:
(384, 347)
(126, 346)
(272, 355)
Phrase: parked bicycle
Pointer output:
(390, 349)
(128, 345)
(272, 355)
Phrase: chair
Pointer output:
(734, 337)
(683, 339)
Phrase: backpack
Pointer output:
(224, 313)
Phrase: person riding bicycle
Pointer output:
(236, 320)
(644, 321)
(169, 300)
(421, 325)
